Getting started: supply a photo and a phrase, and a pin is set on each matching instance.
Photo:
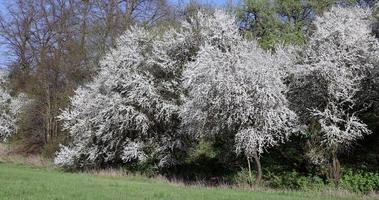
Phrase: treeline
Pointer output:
(56, 46)
(182, 89)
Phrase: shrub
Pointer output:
(360, 181)
(294, 180)
(141, 167)
(240, 178)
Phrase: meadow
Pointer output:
(19, 181)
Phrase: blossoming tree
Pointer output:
(129, 112)
(339, 56)
(10, 107)
(235, 87)
(7, 123)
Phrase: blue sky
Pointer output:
(3, 56)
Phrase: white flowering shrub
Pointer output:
(369, 94)
(235, 87)
(67, 156)
(10, 108)
(156, 93)
(124, 107)
(7, 121)
(324, 91)
(130, 111)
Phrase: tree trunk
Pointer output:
(258, 179)
(335, 169)
(250, 174)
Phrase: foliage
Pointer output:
(294, 180)
(240, 178)
(352, 180)
(360, 181)
(203, 149)
(282, 21)
(145, 168)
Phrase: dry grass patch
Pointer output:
(7, 155)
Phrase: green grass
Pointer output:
(25, 182)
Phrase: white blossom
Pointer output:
(10, 108)
(336, 60)
(236, 87)
(134, 151)
(66, 156)
(132, 105)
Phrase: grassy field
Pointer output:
(25, 182)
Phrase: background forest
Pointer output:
(286, 91)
